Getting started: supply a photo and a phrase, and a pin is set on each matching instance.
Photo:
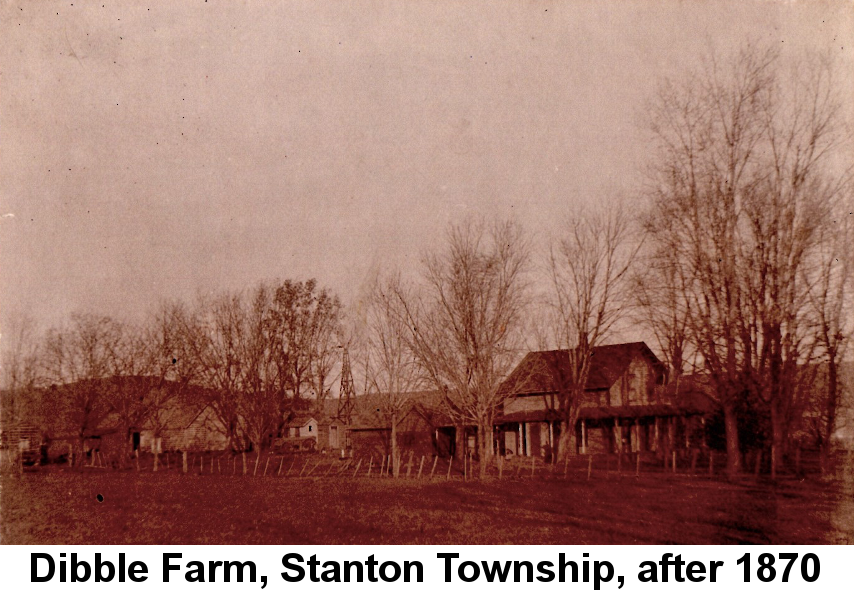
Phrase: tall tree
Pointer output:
(391, 369)
(742, 177)
(590, 274)
(81, 361)
(465, 321)
(830, 284)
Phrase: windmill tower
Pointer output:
(346, 397)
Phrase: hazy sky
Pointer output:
(150, 149)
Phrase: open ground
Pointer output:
(63, 506)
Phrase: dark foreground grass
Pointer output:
(146, 508)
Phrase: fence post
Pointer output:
(673, 461)
(303, 467)
(281, 462)
(155, 459)
(244, 462)
(450, 462)
(435, 460)
(255, 470)
(637, 468)
(136, 452)
(266, 464)
(589, 465)
(421, 466)
(356, 472)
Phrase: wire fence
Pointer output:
(426, 467)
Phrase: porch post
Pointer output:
(618, 432)
(583, 437)
(520, 442)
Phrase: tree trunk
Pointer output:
(831, 407)
(460, 447)
(777, 436)
(484, 446)
(733, 450)
(395, 457)
(566, 441)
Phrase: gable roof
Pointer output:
(540, 372)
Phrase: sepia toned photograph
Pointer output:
(446, 272)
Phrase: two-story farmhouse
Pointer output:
(627, 406)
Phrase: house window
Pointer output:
(309, 428)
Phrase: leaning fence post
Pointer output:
(303, 467)
(293, 462)
(356, 472)
(281, 462)
(589, 465)
(450, 462)
(421, 466)
(255, 470)
(136, 453)
(637, 468)
(244, 462)
(435, 460)
(266, 464)
(673, 461)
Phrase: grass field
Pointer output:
(163, 508)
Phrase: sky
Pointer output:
(152, 150)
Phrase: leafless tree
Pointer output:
(214, 332)
(830, 284)
(742, 180)
(306, 322)
(590, 274)
(465, 321)
(263, 352)
(391, 370)
(80, 359)
(20, 368)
